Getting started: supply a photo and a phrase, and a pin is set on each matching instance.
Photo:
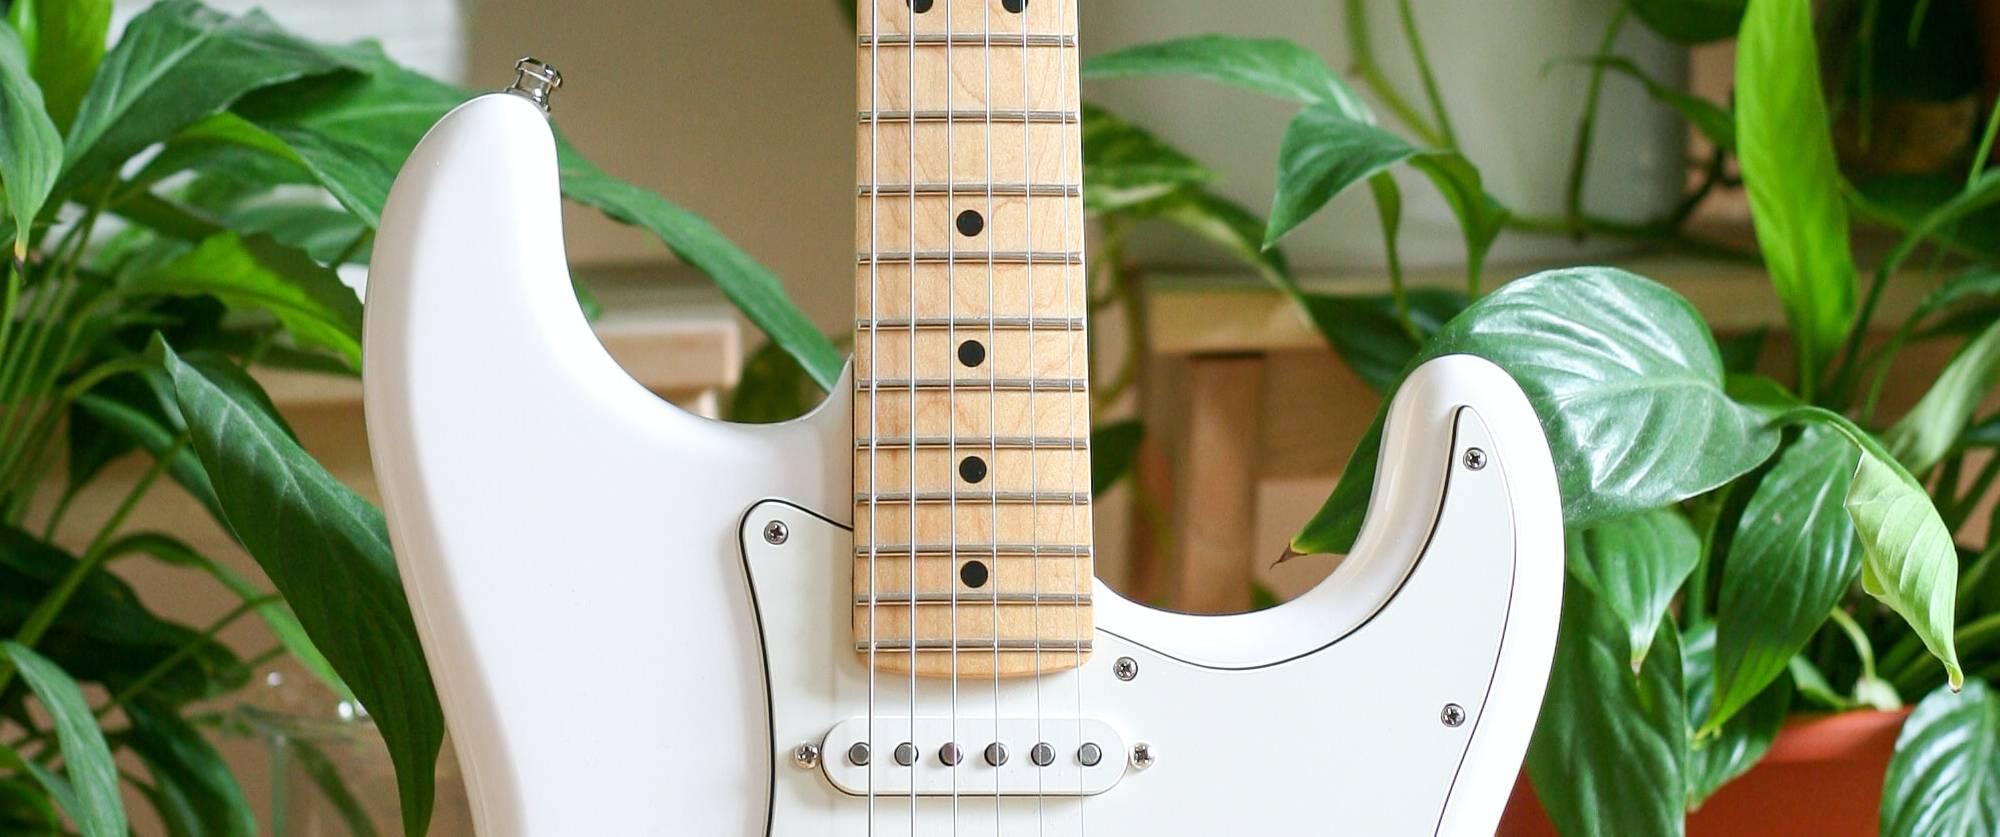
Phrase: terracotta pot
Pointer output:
(1823, 777)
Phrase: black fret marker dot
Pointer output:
(920, 6)
(1015, 6)
(974, 574)
(970, 224)
(973, 469)
(971, 353)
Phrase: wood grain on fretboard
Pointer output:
(971, 464)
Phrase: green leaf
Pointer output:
(1480, 217)
(230, 146)
(325, 776)
(1944, 778)
(1610, 750)
(177, 62)
(1716, 758)
(1626, 381)
(1740, 352)
(327, 551)
(1226, 224)
(1273, 67)
(1909, 561)
(772, 388)
(138, 413)
(354, 134)
(1634, 565)
(1690, 21)
(25, 806)
(1324, 152)
(199, 796)
(86, 760)
(31, 152)
(1365, 333)
(259, 274)
(1811, 684)
(1973, 284)
(1114, 448)
(1125, 165)
(1927, 432)
(1785, 148)
(1714, 122)
(1794, 556)
(65, 41)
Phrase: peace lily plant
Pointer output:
(178, 203)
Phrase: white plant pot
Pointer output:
(1513, 102)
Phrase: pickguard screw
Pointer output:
(1125, 669)
(775, 532)
(1144, 756)
(806, 756)
(1453, 715)
(1475, 459)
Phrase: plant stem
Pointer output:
(1423, 62)
(1579, 162)
(1365, 67)
(152, 675)
(1985, 144)
(1973, 637)
(1862, 647)
(1707, 519)
(45, 612)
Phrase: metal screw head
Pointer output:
(1475, 459)
(776, 533)
(1125, 669)
(805, 756)
(1453, 715)
(1144, 756)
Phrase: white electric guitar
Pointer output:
(881, 619)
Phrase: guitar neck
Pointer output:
(972, 420)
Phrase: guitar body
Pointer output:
(639, 620)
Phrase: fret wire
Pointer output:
(903, 645)
(1005, 550)
(997, 117)
(967, 39)
(933, 323)
(935, 497)
(1002, 598)
(1000, 190)
(925, 257)
(877, 386)
(993, 442)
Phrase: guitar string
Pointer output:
(874, 335)
(992, 398)
(1032, 372)
(910, 175)
(1069, 95)
(951, 386)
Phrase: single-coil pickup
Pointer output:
(973, 757)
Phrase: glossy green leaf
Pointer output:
(1626, 381)
(1714, 122)
(1125, 165)
(31, 151)
(772, 388)
(259, 274)
(1480, 217)
(1114, 448)
(1367, 337)
(1225, 224)
(1726, 753)
(327, 551)
(177, 62)
(1785, 148)
(227, 145)
(1794, 556)
(1273, 67)
(1634, 565)
(1324, 152)
(65, 43)
(1610, 749)
(1909, 560)
(87, 763)
(355, 132)
(1944, 778)
(1927, 432)
(1811, 684)
(198, 795)
(130, 408)
(1690, 21)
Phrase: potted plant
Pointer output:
(177, 205)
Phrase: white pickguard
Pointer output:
(582, 557)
